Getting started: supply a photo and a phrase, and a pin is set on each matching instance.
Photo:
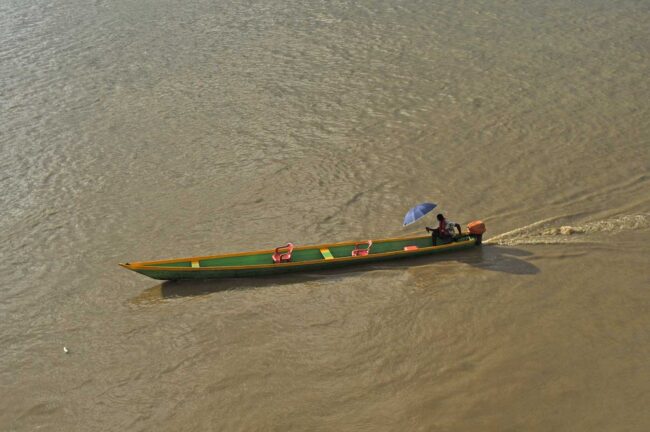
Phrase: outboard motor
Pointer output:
(476, 228)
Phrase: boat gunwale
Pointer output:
(147, 265)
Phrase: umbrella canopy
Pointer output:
(417, 212)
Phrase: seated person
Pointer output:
(445, 230)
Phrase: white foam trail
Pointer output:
(540, 233)
(516, 232)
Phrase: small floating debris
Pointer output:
(65, 350)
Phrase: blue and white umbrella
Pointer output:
(418, 212)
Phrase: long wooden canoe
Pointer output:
(303, 258)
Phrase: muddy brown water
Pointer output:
(135, 130)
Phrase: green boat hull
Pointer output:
(304, 259)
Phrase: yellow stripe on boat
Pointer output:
(327, 254)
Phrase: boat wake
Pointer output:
(547, 231)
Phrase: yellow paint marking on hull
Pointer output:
(327, 254)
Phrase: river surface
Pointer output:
(151, 129)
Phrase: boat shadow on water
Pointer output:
(503, 259)
(488, 257)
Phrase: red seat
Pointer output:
(357, 251)
(283, 253)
